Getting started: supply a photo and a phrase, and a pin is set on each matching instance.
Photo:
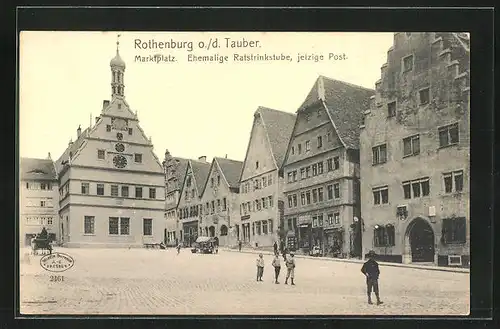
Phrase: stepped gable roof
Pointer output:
(37, 169)
(201, 169)
(231, 170)
(72, 148)
(345, 103)
(279, 128)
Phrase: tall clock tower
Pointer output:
(112, 184)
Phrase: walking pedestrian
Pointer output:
(277, 267)
(260, 267)
(371, 271)
(239, 245)
(275, 246)
(178, 248)
(290, 268)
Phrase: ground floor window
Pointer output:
(264, 227)
(119, 225)
(89, 222)
(384, 236)
(147, 226)
(223, 230)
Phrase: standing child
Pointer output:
(371, 271)
(290, 268)
(260, 267)
(277, 267)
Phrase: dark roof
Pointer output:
(279, 128)
(39, 169)
(345, 103)
(201, 169)
(231, 169)
(180, 171)
(72, 148)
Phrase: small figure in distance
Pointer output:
(371, 271)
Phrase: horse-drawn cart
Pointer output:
(41, 244)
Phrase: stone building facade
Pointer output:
(175, 170)
(38, 199)
(219, 202)
(321, 170)
(111, 184)
(261, 180)
(415, 152)
(190, 208)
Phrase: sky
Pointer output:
(192, 109)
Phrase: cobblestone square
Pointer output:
(160, 282)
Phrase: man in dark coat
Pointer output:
(275, 246)
(371, 271)
(43, 234)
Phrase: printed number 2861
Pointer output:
(56, 278)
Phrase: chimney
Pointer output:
(70, 142)
(78, 131)
(105, 103)
(203, 158)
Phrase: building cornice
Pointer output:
(69, 204)
(153, 173)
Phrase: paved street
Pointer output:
(157, 282)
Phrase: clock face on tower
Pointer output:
(119, 147)
(119, 124)
(119, 161)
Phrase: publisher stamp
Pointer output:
(57, 262)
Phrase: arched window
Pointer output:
(223, 230)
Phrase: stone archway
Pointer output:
(419, 242)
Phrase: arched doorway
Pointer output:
(212, 231)
(419, 241)
(223, 230)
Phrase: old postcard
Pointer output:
(205, 173)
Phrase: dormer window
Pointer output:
(119, 106)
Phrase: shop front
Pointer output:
(190, 231)
(334, 241)
(304, 224)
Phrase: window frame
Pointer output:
(91, 223)
(377, 150)
(447, 129)
(411, 140)
(391, 110)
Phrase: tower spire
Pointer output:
(117, 71)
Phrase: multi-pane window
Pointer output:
(303, 198)
(138, 157)
(320, 220)
(299, 147)
(130, 131)
(264, 202)
(258, 227)
(290, 177)
(294, 197)
(408, 63)
(308, 172)
(336, 163)
(113, 225)
(89, 222)
(424, 96)
(448, 135)
(152, 193)
(320, 168)
(329, 189)
(100, 189)
(114, 190)
(315, 169)
(411, 145)
(308, 197)
(101, 154)
(384, 236)
(391, 109)
(320, 194)
(294, 174)
(336, 218)
(329, 164)
(336, 190)
(416, 188)
(270, 198)
(138, 192)
(381, 195)
(314, 195)
(290, 201)
(125, 191)
(453, 181)
(85, 188)
(264, 227)
(147, 226)
(108, 128)
(379, 154)
(320, 141)
(224, 204)
(308, 146)
(124, 226)
(302, 173)
(330, 219)
(454, 230)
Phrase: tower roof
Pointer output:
(117, 60)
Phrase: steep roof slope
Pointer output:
(201, 170)
(231, 170)
(180, 171)
(279, 128)
(71, 149)
(345, 103)
(37, 169)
